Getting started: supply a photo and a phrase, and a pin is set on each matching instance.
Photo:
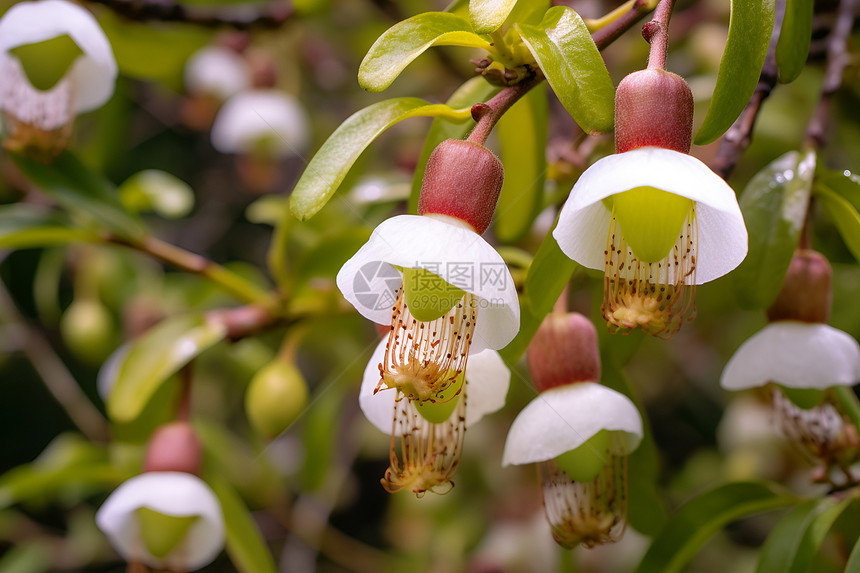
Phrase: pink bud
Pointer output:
(174, 448)
(564, 351)
(805, 293)
(653, 108)
(463, 180)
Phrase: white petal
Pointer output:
(458, 255)
(250, 117)
(170, 493)
(217, 71)
(94, 72)
(487, 381)
(584, 222)
(563, 418)
(794, 354)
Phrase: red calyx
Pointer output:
(564, 351)
(463, 180)
(174, 448)
(653, 108)
(805, 294)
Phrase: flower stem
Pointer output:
(848, 403)
(656, 33)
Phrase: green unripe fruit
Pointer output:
(275, 398)
(88, 330)
(585, 462)
(163, 533)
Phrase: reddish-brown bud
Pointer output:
(174, 448)
(805, 293)
(462, 180)
(653, 107)
(564, 351)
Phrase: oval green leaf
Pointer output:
(797, 538)
(488, 15)
(332, 162)
(774, 205)
(689, 529)
(471, 92)
(792, 48)
(153, 358)
(25, 226)
(562, 46)
(523, 137)
(853, 565)
(750, 28)
(844, 215)
(406, 40)
(75, 187)
(245, 543)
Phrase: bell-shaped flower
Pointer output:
(266, 122)
(656, 220)
(55, 62)
(166, 520)
(217, 72)
(431, 434)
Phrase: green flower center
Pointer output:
(428, 296)
(46, 62)
(163, 533)
(584, 463)
(650, 219)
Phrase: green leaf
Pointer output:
(547, 276)
(792, 48)
(853, 565)
(471, 92)
(153, 358)
(523, 136)
(74, 186)
(750, 28)
(488, 15)
(797, 538)
(774, 206)
(334, 159)
(24, 226)
(30, 557)
(845, 216)
(406, 40)
(245, 544)
(843, 183)
(571, 62)
(689, 529)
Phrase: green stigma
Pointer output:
(427, 295)
(163, 533)
(803, 398)
(651, 220)
(584, 463)
(443, 404)
(46, 62)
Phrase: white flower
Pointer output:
(795, 355)
(171, 494)
(88, 83)
(452, 251)
(657, 222)
(218, 72)
(563, 418)
(487, 381)
(268, 121)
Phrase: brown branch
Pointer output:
(656, 33)
(268, 15)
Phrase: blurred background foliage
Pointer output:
(314, 490)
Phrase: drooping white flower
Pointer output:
(218, 72)
(658, 222)
(87, 84)
(794, 354)
(171, 494)
(430, 451)
(268, 122)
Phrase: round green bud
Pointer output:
(88, 330)
(275, 397)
